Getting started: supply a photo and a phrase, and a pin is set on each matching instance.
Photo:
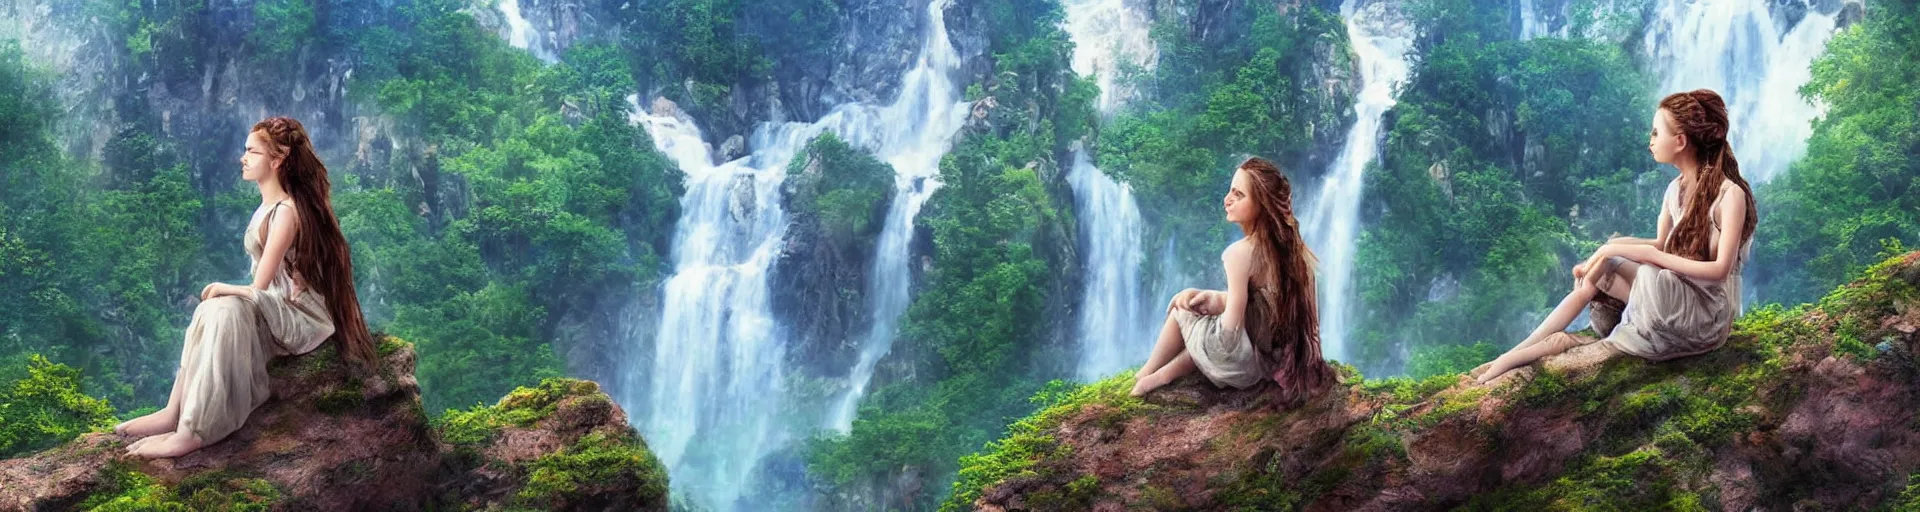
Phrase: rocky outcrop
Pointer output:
(837, 200)
(330, 440)
(1809, 408)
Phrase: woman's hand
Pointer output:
(214, 290)
(1183, 300)
(1632, 251)
(1207, 303)
(1629, 250)
(1580, 271)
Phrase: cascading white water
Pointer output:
(715, 389)
(911, 134)
(1381, 39)
(1534, 24)
(718, 370)
(1739, 49)
(1108, 38)
(1112, 333)
(521, 34)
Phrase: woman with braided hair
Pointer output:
(302, 295)
(1674, 295)
(1266, 324)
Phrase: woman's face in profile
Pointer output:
(1239, 200)
(1662, 140)
(255, 161)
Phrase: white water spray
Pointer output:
(911, 134)
(1380, 40)
(1109, 38)
(521, 34)
(1757, 64)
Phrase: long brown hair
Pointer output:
(1283, 271)
(1701, 116)
(321, 249)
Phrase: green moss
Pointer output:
(1909, 500)
(1370, 441)
(1078, 495)
(1638, 480)
(128, 490)
(1403, 390)
(321, 359)
(597, 460)
(1450, 405)
(522, 407)
(389, 344)
(1154, 497)
(1026, 443)
(1266, 487)
(1653, 400)
(344, 397)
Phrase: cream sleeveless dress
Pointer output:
(1228, 357)
(231, 338)
(1669, 315)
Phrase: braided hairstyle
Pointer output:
(1283, 269)
(323, 262)
(1701, 116)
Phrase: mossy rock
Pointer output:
(559, 445)
(1807, 407)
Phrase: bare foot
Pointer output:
(1493, 372)
(145, 441)
(169, 446)
(1477, 370)
(1148, 383)
(160, 422)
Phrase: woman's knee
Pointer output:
(1561, 342)
(222, 305)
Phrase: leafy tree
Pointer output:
(1824, 221)
(41, 406)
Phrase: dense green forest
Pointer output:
(505, 210)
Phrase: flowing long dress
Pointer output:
(1228, 357)
(1668, 315)
(231, 338)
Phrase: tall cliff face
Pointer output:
(1809, 407)
(332, 440)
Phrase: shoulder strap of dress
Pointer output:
(268, 222)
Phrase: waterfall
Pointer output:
(521, 34)
(718, 373)
(1755, 60)
(1109, 38)
(1112, 331)
(1381, 40)
(911, 134)
(1534, 23)
(715, 396)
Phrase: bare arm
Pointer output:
(1732, 212)
(279, 237)
(1239, 262)
(1658, 241)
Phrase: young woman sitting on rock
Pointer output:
(1674, 295)
(1266, 324)
(302, 294)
